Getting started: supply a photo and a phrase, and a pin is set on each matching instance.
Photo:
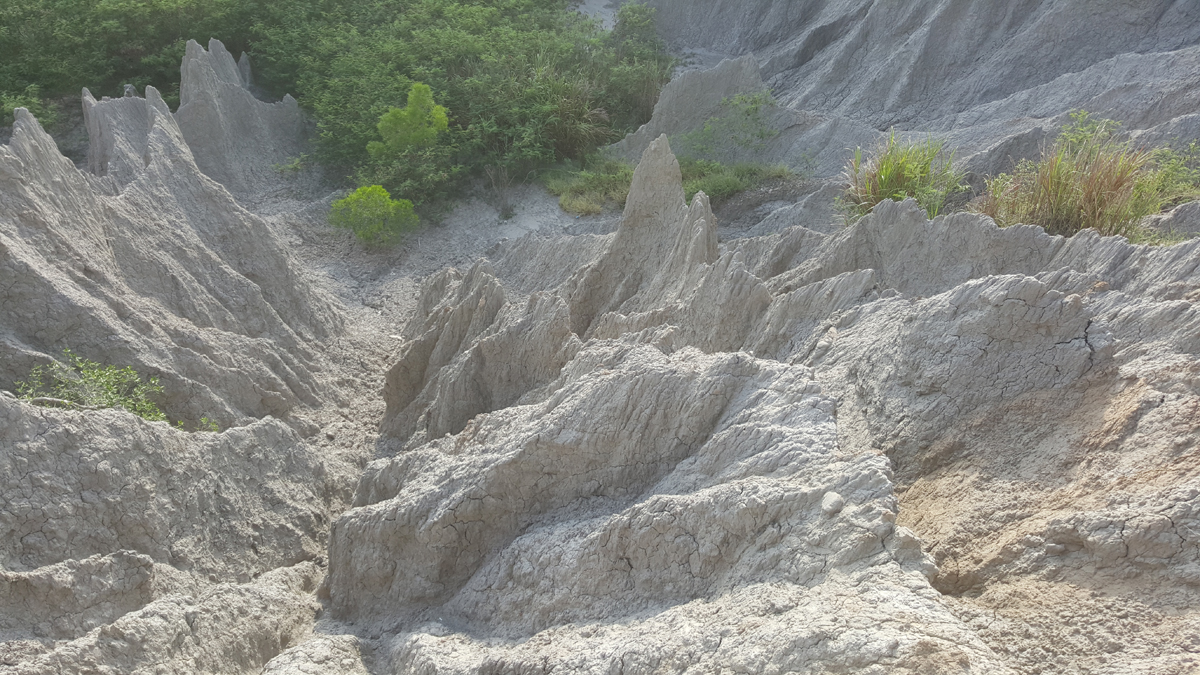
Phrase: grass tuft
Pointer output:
(1089, 179)
(896, 171)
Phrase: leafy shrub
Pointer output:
(1088, 178)
(373, 216)
(88, 384)
(31, 100)
(416, 125)
(897, 171)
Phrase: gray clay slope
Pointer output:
(906, 446)
(996, 79)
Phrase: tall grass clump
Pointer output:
(896, 171)
(1090, 179)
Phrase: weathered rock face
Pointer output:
(131, 546)
(806, 140)
(903, 64)
(902, 446)
(994, 79)
(718, 440)
(234, 138)
(149, 262)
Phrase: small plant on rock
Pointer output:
(373, 216)
(88, 385)
(896, 171)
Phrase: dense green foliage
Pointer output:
(898, 170)
(1090, 179)
(31, 100)
(64, 45)
(373, 216)
(521, 83)
(88, 384)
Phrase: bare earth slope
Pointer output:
(994, 78)
(907, 446)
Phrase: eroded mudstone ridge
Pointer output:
(132, 546)
(706, 448)
(899, 446)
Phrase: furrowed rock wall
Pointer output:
(134, 546)
(147, 261)
(900, 446)
(995, 79)
(797, 435)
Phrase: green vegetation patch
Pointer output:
(373, 216)
(599, 182)
(896, 171)
(1088, 178)
(722, 181)
(62, 46)
(604, 182)
(31, 99)
(80, 383)
(742, 125)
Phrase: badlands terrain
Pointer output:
(645, 442)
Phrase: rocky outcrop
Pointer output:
(148, 262)
(135, 546)
(235, 139)
(995, 81)
(808, 141)
(744, 436)
(226, 628)
(902, 445)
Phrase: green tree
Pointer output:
(373, 216)
(414, 126)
